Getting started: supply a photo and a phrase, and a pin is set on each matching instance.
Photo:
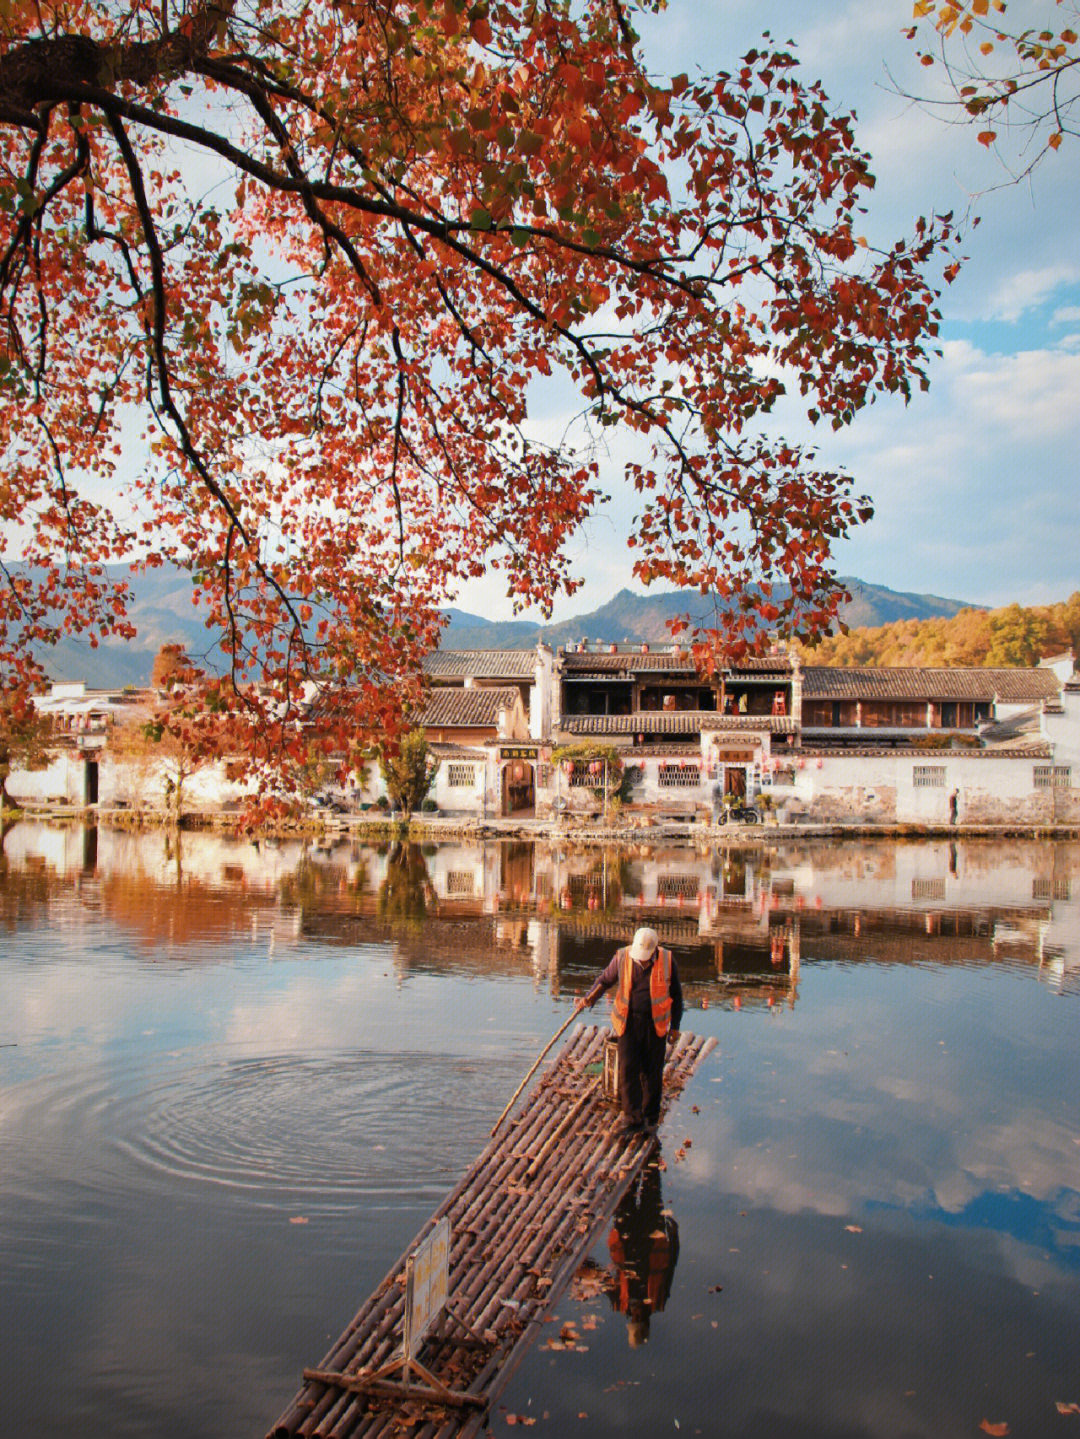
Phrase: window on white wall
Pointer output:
(1047, 889)
(1053, 776)
(679, 776)
(928, 776)
(678, 886)
(460, 776)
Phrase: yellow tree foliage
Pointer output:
(1012, 636)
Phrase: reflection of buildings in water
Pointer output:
(644, 1249)
(751, 964)
(740, 919)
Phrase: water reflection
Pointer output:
(241, 1075)
(406, 893)
(743, 921)
(644, 1249)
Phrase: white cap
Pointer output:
(643, 945)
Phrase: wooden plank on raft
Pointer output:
(522, 1219)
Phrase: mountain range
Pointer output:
(163, 613)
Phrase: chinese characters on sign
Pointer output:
(426, 1285)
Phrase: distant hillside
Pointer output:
(644, 617)
(1004, 637)
(163, 613)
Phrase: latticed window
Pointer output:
(459, 881)
(928, 889)
(582, 885)
(582, 779)
(460, 776)
(928, 776)
(1046, 889)
(679, 776)
(677, 886)
(1053, 776)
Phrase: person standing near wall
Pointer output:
(954, 806)
(646, 1013)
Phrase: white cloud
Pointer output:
(1027, 289)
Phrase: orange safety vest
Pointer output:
(659, 991)
(659, 1267)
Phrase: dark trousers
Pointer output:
(641, 1068)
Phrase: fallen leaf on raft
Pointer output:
(298, 1219)
(1068, 1408)
(998, 1430)
(853, 1228)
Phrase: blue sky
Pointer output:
(974, 482)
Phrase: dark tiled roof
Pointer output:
(481, 664)
(1013, 686)
(1017, 749)
(474, 708)
(739, 724)
(665, 662)
(631, 661)
(675, 722)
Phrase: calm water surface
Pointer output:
(236, 1079)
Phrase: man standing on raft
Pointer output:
(645, 1014)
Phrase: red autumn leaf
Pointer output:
(998, 1430)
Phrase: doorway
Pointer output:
(735, 782)
(518, 789)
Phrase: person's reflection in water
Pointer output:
(644, 1248)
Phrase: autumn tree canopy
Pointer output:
(306, 261)
(1004, 70)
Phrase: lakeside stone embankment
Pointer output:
(563, 830)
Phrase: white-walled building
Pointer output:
(886, 746)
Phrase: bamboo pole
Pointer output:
(561, 1029)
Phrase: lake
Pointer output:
(236, 1077)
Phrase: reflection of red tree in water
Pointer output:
(644, 1249)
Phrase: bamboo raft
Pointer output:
(521, 1221)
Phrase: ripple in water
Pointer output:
(370, 1126)
(377, 1128)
